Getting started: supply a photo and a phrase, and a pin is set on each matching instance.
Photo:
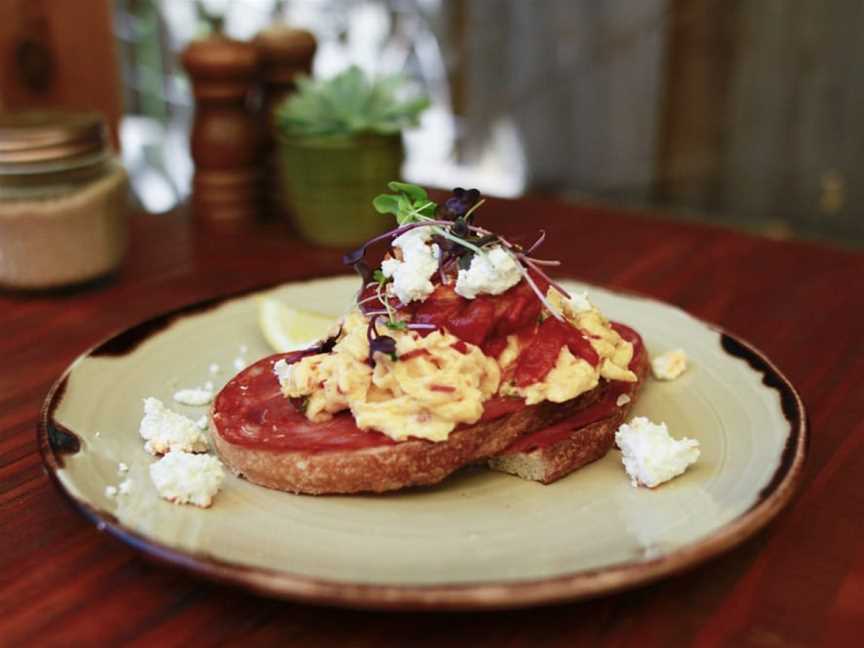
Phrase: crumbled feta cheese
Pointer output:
(98, 434)
(122, 468)
(579, 302)
(669, 365)
(239, 363)
(650, 455)
(195, 396)
(185, 478)
(125, 487)
(214, 368)
(282, 370)
(202, 422)
(208, 385)
(164, 430)
(491, 273)
(623, 399)
(110, 491)
(412, 275)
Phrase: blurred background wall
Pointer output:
(737, 112)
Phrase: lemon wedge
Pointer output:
(289, 329)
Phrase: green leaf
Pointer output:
(378, 276)
(396, 325)
(428, 209)
(386, 204)
(410, 205)
(414, 192)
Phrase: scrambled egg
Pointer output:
(433, 387)
(571, 375)
(425, 395)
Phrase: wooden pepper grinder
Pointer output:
(284, 53)
(226, 138)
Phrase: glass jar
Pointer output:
(63, 200)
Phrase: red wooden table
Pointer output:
(799, 582)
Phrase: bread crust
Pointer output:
(416, 463)
(583, 446)
(391, 467)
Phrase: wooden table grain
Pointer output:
(800, 582)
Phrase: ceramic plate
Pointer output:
(479, 539)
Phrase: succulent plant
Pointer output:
(349, 104)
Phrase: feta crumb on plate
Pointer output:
(214, 368)
(110, 491)
(669, 365)
(202, 422)
(186, 478)
(125, 487)
(491, 274)
(650, 455)
(195, 396)
(239, 363)
(122, 468)
(164, 430)
(622, 400)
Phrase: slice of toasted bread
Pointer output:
(386, 467)
(582, 445)
(392, 466)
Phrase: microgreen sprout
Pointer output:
(456, 236)
(379, 343)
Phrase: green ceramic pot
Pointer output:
(328, 184)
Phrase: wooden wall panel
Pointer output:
(795, 147)
(700, 57)
(762, 114)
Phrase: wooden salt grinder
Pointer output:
(284, 53)
(226, 138)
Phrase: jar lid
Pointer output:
(44, 137)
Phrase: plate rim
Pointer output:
(579, 585)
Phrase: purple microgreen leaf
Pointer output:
(326, 346)
(355, 256)
(382, 344)
(460, 203)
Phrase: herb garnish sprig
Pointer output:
(459, 240)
